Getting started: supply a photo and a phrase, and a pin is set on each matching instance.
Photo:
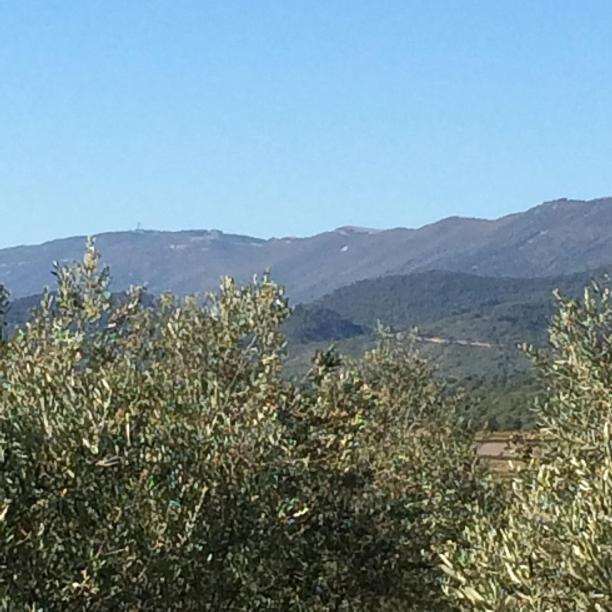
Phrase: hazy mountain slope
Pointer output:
(180, 261)
(555, 238)
(552, 239)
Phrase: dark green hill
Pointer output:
(469, 326)
(317, 323)
(423, 298)
(19, 311)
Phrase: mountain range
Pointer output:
(555, 238)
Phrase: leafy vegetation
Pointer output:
(155, 457)
(551, 548)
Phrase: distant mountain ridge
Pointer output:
(555, 238)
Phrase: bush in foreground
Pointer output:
(551, 549)
(154, 458)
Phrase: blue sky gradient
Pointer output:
(289, 117)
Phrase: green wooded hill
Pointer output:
(450, 305)
(469, 326)
(429, 297)
(319, 324)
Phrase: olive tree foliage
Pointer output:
(154, 458)
(551, 549)
(394, 471)
(133, 447)
(423, 459)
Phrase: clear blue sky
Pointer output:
(291, 117)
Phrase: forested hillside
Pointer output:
(428, 297)
(468, 326)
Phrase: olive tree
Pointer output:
(134, 447)
(551, 548)
(153, 457)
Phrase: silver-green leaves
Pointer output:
(551, 547)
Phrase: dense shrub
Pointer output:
(132, 444)
(551, 549)
(154, 458)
